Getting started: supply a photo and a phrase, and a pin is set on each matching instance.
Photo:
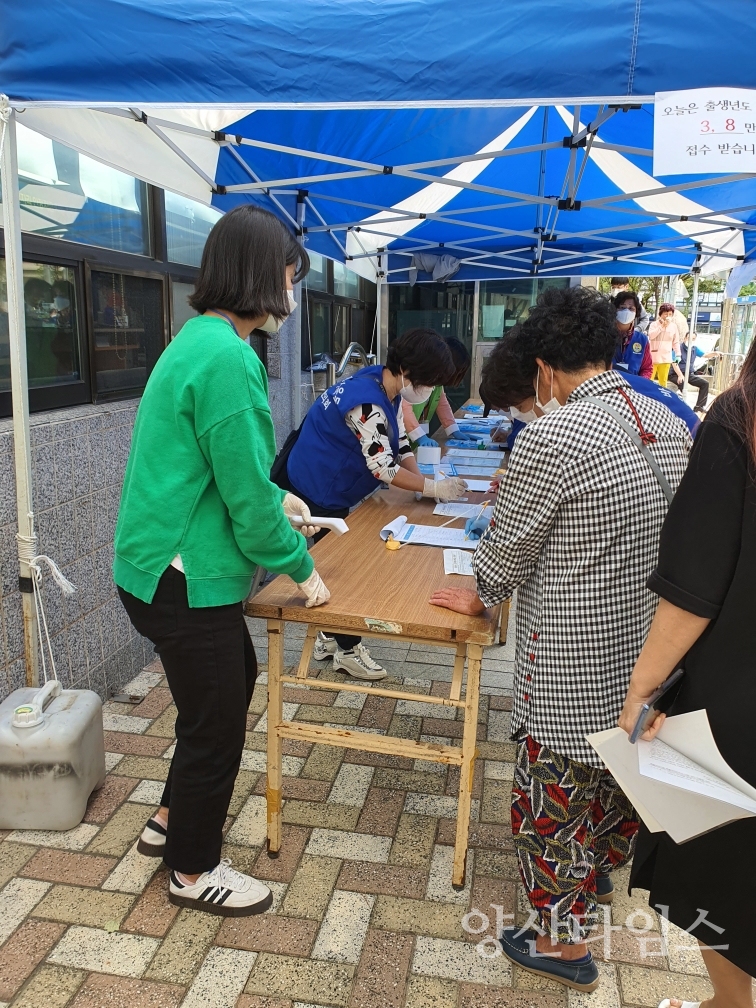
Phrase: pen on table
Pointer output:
(483, 507)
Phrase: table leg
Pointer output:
(309, 647)
(457, 672)
(275, 717)
(466, 771)
(504, 622)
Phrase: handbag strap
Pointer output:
(640, 440)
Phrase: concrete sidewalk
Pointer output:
(364, 914)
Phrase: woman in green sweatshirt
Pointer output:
(198, 513)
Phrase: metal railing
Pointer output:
(335, 372)
(726, 370)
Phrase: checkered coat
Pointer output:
(576, 529)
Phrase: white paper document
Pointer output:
(471, 469)
(458, 510)
(427, 535)
(457, 561)
(478, 485)
(679, 782)
(472, 454)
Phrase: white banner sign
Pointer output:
(705, 131)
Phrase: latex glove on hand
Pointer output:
(475, 527)
(459, 435)
(296, 508)
(450, 489)
(426, 442)
(315, 590)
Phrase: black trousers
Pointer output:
(703, 390)
(344, 641)
(211, 668)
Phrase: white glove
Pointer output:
(296, 508)
(449, 489)
(314, 589)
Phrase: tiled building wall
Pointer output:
(78, 460)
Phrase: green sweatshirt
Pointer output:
(198, 477)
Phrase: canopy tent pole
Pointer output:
(19, 381)
(696, 271)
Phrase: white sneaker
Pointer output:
(358, 663)
(152, 841)
(325, 647)
(222, 891)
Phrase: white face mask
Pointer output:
(271, 323)
(625, 315)
(553, 403)
(413, 395)
(528, 417)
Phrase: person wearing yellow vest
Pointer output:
(418, 417)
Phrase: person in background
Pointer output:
(621, 285)
(198, 513)
(575, 528)
(664, 341)
(697, 364)
(632, 354)
(352, 440)
(418, 417)
(704, 622)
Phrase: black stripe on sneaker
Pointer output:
(155, 825)
(206, 893)
(175, 881)
(224, 897)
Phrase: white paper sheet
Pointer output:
(472, 469)
(461, 510)
(459, 453)
(478, 485)
(457, 561)
(661, 762)
(427, 535)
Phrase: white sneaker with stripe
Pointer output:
(222, 891)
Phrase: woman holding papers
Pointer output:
(575, 528)
(352, 440)
(705, 620)
(198, 513)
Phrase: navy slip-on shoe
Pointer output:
(604, 889)
(581, 974)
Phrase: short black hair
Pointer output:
(244, 265)
(504, 383)
(423, 356)
(461, 357)
(619, 281)
(628, 295)
(570, 328)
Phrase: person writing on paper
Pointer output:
(705, 622)
(353, 439)
(575, 528)
(198, 513)
(632, 354)
(417, 417)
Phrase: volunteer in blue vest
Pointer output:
(353, 439)
(198, 512)
(633, 355)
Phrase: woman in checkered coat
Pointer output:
(576, 528)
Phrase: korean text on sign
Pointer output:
(705, 131)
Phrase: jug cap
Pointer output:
(27, 715)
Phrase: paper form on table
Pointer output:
(459, 453)
(461, 510)
(683, 786)
(478, 485)
(457, 561)
(426, 535)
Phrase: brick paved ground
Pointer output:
(364, 914)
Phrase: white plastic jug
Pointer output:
(52, 756)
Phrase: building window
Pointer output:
(504, 303)
(346, 283)
(317, 278)
(67, 195)
(187, 225)
(340, 309)
(54, 363)
(129, 330)
(181, 311)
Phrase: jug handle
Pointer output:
(49, 691)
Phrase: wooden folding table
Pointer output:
(376, 592)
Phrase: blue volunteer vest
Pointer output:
(326, 464)
(671, 400)
(629, 360)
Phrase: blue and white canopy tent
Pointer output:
(515, 138)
